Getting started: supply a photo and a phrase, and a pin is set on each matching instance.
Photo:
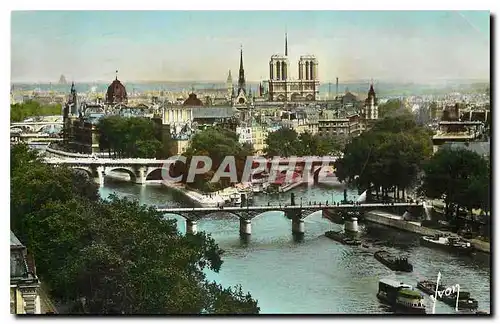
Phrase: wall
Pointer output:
(374, 217)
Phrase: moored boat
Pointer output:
(464, 299)
(400, 296)
(453, 244)
(393, 262)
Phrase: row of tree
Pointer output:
(21, 111)
(397, 154)
(131, 137)
(286, 142)
(461, 178)
(116, 256)
(387, 158)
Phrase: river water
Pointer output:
(318, 275)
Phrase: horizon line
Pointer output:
(194, 82)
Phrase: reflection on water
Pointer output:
(318, 276)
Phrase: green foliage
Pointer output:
(217, 143)
(388, 156)
(460, 176)
(21, 111)
(131, 137)
(390, 108)
(285, 142)
(118, 256)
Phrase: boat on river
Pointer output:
(464, 299)
(342, 238)
(401, 296)
(395, 263)
(449, 243)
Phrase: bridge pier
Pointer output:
(140, 177)
(100, 176)
(191, 227)
(245, 227)
(351, 226)
(298, 226)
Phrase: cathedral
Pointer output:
(283, 88)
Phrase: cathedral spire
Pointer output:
(241, 78)
(286, 44)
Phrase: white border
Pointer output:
(7, 6)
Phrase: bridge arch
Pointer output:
(39, 128)
(55, 127)
(309, 213)
(128, 170)
(84, 170)
(25, 128)
(154, 173)
(259, 214)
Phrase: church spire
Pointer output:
(241, 78)
(286, 44)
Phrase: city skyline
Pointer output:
(391, 46)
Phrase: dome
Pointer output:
(116, 93)
(192, 100)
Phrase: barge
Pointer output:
(464, 299)
(394, 263)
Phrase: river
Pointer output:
(318, 275)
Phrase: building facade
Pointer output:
(283, 88)
(24, 283)
(346, 126)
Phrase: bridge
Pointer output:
(297, 213)
(140, 169)
(137, 169)
(33, 137)
(36, 127)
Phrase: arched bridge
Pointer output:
(138, 169)
(36, 127)
(295, 213)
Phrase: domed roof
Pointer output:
(116, 93)
(192, 100)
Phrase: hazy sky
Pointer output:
(388, 46)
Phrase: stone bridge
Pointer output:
(295, 213)
(140, 169)
(137, 169)
(36, 127)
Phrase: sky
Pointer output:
(388, 46)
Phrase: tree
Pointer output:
(283, 142)
(21, 111)
(387, 157)
(116, 255)
(460, 177)
(389, 108)
(134, 137)
(217, 143)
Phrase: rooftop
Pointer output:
(14, 241)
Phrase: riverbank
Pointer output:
(391, 220)
(193, 196)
